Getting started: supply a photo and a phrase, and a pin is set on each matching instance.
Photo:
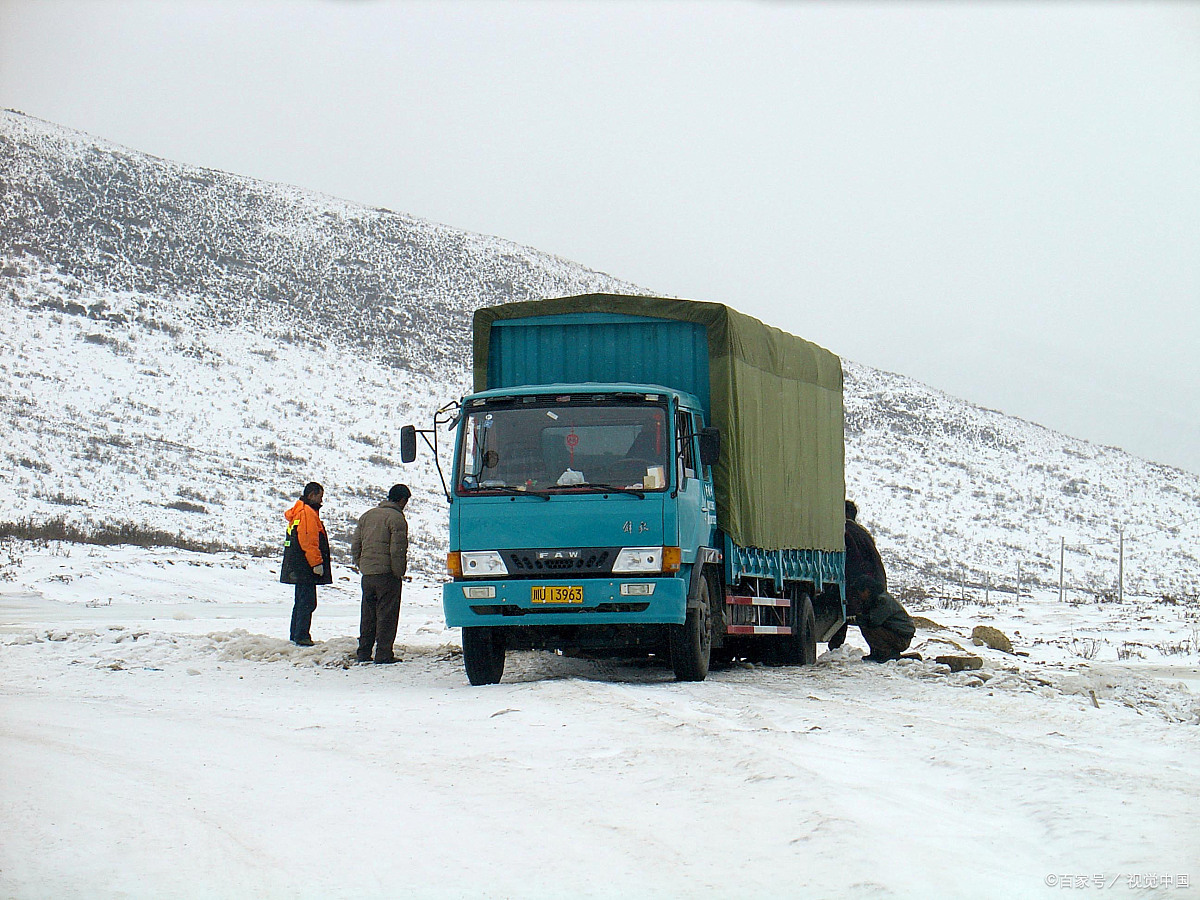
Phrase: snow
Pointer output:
(159, 737)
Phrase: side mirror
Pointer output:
(408, 443)
(710, 446)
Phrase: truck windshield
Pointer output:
(564, 445)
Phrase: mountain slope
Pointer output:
(184, 348)
(970, 495)
(226, 250)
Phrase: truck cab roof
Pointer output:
(682, 398)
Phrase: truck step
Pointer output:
(758, 629)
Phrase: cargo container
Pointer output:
(640, 475)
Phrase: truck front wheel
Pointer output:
(483, 655)
(691, 642)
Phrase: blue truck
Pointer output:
(642, 475)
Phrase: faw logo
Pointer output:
(558, 554)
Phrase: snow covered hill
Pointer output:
(183, 348)
(219, 250)
(974, 500)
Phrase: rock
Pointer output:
(930, 645)
(927, 624)
(960, 663)
(991, 637)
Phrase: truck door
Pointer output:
(694, 528)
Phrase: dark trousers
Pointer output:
(885, 643)
(380, 615)
(837, 638)
(302, 610)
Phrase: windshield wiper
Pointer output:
(637, 492)
(506, 489)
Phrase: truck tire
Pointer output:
(483, 655)
(691, 642)
(802, 642)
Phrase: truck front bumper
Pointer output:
(600, 602)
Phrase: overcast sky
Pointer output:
(1001, 200)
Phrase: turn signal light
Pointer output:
(454, 564)
(671, 559)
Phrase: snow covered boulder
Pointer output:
(960, 663)
(987, 636)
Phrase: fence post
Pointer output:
(1062, 558)
(1121, 567)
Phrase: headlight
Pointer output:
(482, 564)
(633, 560)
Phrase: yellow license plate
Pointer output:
(557, 594)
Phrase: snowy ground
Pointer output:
(159, 737)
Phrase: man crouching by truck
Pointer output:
(884, 623)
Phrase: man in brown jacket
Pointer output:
(380, 551)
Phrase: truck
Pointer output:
(643, 476)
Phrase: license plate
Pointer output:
(557, 594)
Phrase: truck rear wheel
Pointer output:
(691, 642)
(802, 642)
(483, 655)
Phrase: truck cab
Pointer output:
(576, 508)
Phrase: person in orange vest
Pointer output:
(306, 560)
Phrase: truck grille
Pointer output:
(560, 563)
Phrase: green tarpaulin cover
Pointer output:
(777, 399)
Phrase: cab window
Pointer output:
(687, 454)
